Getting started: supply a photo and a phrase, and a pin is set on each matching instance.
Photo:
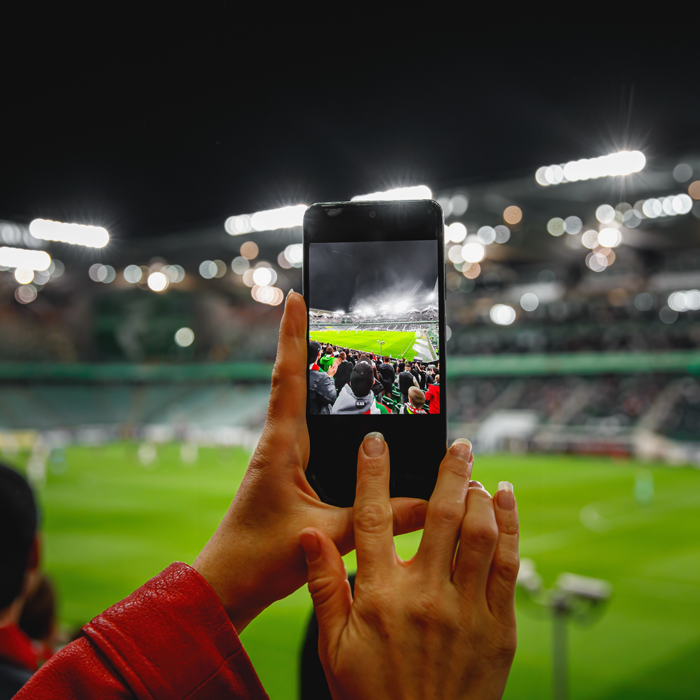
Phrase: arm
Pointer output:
(169, 639)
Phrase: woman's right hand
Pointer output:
(441, 625)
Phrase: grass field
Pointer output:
(396, 343)
(110, 524)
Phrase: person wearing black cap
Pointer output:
(322, 393)
(356, 396)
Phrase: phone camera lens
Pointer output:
(372, 214)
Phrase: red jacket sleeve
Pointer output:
(169, 639)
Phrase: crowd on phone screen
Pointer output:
(344, 381)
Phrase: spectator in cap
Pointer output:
(357, 397)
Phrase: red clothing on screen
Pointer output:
(433, 395)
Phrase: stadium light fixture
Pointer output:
(269, 220)
(613, 165)
(75, 234)
(37, 260)
(398, 193)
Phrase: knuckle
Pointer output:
(482, 536)
(509, 565)
(448, 512)
(373, 517)
(322, 589)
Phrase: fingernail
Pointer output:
(311, 546)
(476, 485)
(374, 444)
(289, 292)
(461, 448)
(506, 499)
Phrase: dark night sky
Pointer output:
(149, 124)
(345, 275)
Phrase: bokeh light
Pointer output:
(502, 314)
(184, 337)
(512, 215)
(250, 250)
(157, 281)
(529, 301)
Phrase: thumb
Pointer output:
(329, 588)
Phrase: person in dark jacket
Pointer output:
(406, 381)
(321, 394)
(386, 376)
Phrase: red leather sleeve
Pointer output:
(169, 639)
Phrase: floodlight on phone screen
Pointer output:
(26, 259)
(613, 165)
(75, 234)
(269, 220)
(398, 193)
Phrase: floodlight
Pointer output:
(75, 234)
(269, 220)
(398, 193)
(615, 164)
(37, 260)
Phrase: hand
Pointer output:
(432, 627)
(254, 557)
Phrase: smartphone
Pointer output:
(374, 286)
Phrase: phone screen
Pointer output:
(374, 289)
(374, 316)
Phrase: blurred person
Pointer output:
(357, 396)
(386, 376)
(406, 380)
(177, 636)
(321, 390)
(414, 405)
(19, 579)
(433, 395)
(341, 376)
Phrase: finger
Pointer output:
(477, 544)
(372, 513)
(329, 588)
(288, 393)
(408, 515)
(446, 510)
(506, 562)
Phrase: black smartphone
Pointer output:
(374, 286)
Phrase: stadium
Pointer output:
(135, 378)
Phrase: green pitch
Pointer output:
(396, 343)
(110, 524)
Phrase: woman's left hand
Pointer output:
(254, 557)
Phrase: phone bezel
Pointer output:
(337, 438)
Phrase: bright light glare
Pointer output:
(456, 232)
(75, 234)
(24, 276)
(184, 337)
(597, 262)
(685, 301)
(269, 220)
(502, 314)
(473, 252)
(610, 238)
(38, 260)
(529, 301)
(157, 281)
(615, 164)
(415, 192)
(665, 206)
(262, 276)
